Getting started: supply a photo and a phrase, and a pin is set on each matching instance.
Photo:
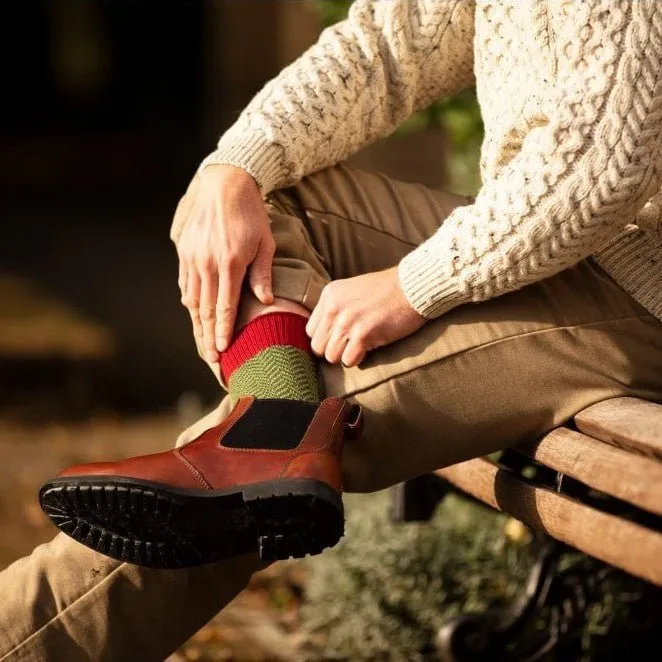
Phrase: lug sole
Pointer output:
(155, 525)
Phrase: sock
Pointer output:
(270, 358)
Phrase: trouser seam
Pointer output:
(59, 615)
(492, 343)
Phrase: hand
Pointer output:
(356, 315)
(226, 233)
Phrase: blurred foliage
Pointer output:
(332, 11)
(459, 116)
(384, 591)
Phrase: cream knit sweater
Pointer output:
(570, 93)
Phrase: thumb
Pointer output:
(260, 274)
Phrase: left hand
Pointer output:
(356, 315)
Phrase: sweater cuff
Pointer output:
(425, 282)
(261, 159)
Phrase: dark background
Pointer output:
(107, 109)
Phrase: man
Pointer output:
(453, 327)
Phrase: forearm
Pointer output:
(576, 182)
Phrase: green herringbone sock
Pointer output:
(270, 357)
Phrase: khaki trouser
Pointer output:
(477, 379)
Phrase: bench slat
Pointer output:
(633, 548)
(629, 423)
(632, 478)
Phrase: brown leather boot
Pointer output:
(266, 479)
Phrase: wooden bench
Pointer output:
(595, 485)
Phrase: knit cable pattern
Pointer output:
(362, 78)
(575, 182)
(572, 104)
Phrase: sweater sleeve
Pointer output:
(576, 181)
(362, 78)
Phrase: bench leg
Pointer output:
(416, 499)
(512, 633)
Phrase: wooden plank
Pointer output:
(633, 548)
(617, 472)
(629, 423)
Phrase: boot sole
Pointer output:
(155, 525)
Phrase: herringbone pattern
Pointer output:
(281, 371)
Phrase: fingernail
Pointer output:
(263, 294)
(221, 344)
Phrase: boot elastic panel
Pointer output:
(271, 424)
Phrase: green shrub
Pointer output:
(387, 588)
(384, 591)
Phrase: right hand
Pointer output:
(225, 234)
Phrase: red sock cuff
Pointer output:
(279, 328)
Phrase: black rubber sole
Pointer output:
(155, 525)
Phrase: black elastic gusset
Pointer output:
(273, 424)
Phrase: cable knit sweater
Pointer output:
(570, 93)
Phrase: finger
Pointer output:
(183, 210)
(229, 288)
(192, 301)
(208, 300)
(183, 276)
(315, 316)
(260, 272)
(335, 347)
(197, 332)
(320, 338)
(353, 354)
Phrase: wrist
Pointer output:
(406, 304)
(226, 172)
(230, 179)
(253, 153)
(427, 283)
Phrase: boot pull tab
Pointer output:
(354, 423)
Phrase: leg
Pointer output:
(522, 363)
(479, 378)
(65, 602)
(73, 602)
(491, 375)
